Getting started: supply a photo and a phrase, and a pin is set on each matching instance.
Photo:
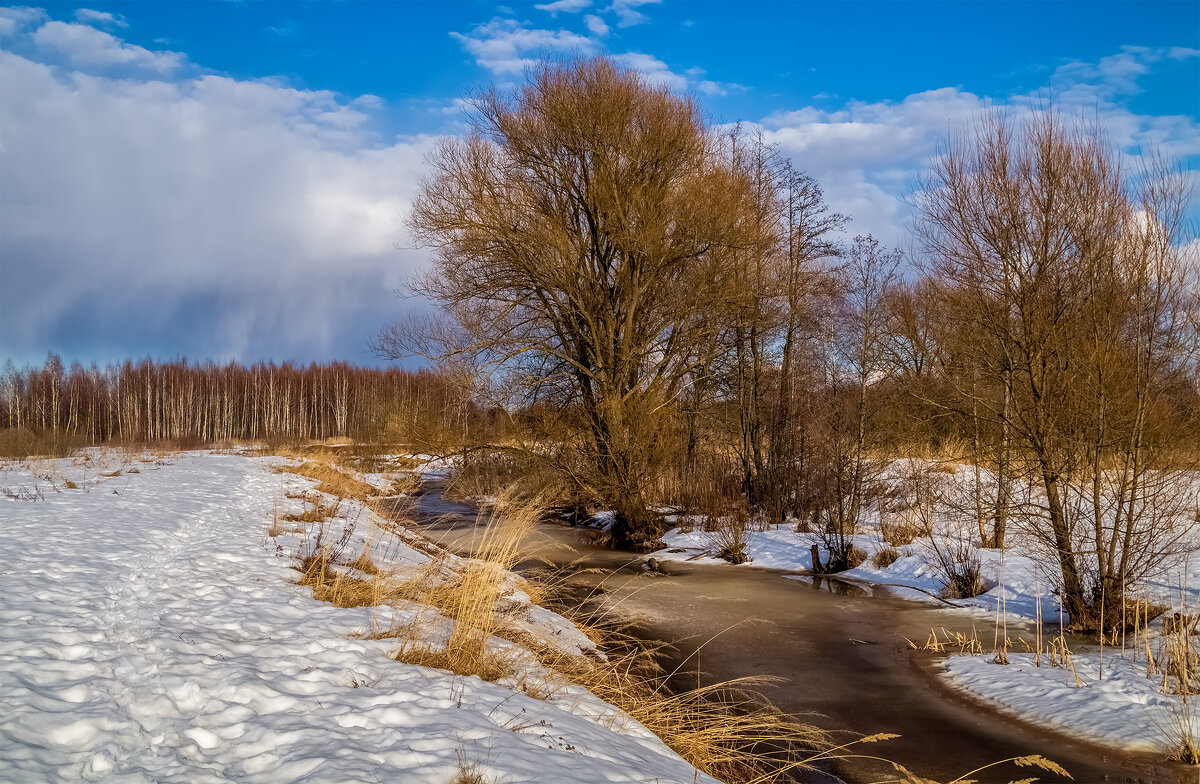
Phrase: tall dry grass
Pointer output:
(472, 595)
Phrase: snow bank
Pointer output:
(1125, 709)
(1020, 578)
(152, 632)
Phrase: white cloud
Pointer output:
(869, 156)
(1182, 53)
(218, 217)
(566, 6)
(288, 29)
(1113, 75)
(627, 13)
(14, 19)
(505, 46)
(86, 46)
(596, 25)
(88, 16)
(456, 107)
(657, 72)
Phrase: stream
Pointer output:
(838, 648)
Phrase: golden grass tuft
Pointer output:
(468, 772)
(901, 529)
(464, 654)
(1180, 662)
(364, 563)
(968, 644)
(473, 598)
(885, 557)
(332, 480)
(331, 582)
(1028, 761)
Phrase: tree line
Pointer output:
(670, 313)
(198, 403)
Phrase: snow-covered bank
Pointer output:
(150, 631)
(1125, 709)
(1128, 708)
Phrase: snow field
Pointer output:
(152, 632)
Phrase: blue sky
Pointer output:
(229, 180)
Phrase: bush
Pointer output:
(18, 443)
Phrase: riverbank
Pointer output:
(838, 648)
(1123, 697)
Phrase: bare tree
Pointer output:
(857, 359)
(785, 281)
(583, 230)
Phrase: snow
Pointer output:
(1124, 709)
(151, 631)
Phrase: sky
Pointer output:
(230, 180)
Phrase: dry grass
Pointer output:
(332, 583)
(364, 563)
(1180, 733)
(316, 510)
(473, 597)
(901, 528)
(472, 658)
(727, 729)
(886, 556)
(468, 772)
(331, 479)
(943, 642)
(404, 484)
(726, 522)
(1030, 761)
(21, 443)
(1180, 662)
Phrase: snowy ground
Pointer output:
(151, 631)
(1126, 708)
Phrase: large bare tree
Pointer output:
(584, 229)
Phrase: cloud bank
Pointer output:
(870, 156)
(204, 216)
